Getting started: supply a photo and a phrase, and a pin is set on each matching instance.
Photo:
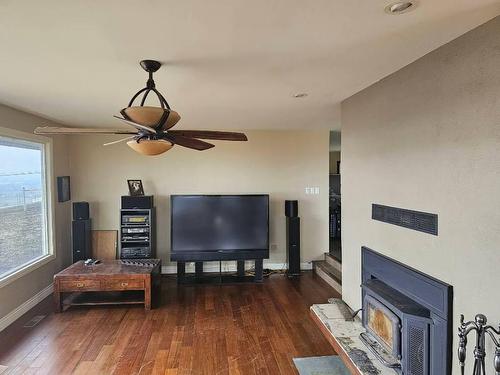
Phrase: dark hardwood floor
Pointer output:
(203, 329)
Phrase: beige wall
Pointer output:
(281, 163)
(428, 138)
(22, 289)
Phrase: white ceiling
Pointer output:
(230, 64)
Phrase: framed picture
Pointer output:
(63, 189)
(135, 187)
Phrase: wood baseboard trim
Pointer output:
(19, 311)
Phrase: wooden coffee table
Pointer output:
(109, 282)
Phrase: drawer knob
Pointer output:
(124, 284)
(79, 285)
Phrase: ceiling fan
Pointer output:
(151, 134)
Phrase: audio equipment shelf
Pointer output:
(137, 233)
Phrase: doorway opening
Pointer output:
(330, 267)
(335, 226)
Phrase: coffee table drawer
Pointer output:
(124, 284)
(76, 285)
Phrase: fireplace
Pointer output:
(406, 315)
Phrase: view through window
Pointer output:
(23, 224)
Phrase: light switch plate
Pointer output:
(312, 190)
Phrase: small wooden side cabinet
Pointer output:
(108, 282)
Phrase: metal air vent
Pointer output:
(416, 220)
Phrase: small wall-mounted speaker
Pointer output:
(291, 208)
(81, 211)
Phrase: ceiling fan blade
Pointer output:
(118, 141)
(189, 142)
(209, 134)
(61, 130)
(144, 128)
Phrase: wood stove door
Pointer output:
(383, 324)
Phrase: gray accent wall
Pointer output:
(427, 138)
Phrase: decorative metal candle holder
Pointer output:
(478, 325)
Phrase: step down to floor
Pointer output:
(333, 262)
(329, 273)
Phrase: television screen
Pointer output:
(220, 224)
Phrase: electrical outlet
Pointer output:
(274, 246)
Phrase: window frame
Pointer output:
(48, 191)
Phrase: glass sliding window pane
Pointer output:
(23, 223)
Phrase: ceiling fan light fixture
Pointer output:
(150, 147)
(151, 116)
(148, 130)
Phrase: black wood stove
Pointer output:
(407, 316)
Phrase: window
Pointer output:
(25, 230)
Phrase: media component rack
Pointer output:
(137, 233)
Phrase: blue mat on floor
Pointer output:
(328, 365)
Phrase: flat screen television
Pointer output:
(219, 227)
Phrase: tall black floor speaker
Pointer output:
(81, 227)
(292, 238)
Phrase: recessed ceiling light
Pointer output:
(400, 7)
(300, 95)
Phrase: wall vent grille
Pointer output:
(416, 220)
(416, 351)
(34, 321)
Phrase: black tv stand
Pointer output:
(200, 277)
